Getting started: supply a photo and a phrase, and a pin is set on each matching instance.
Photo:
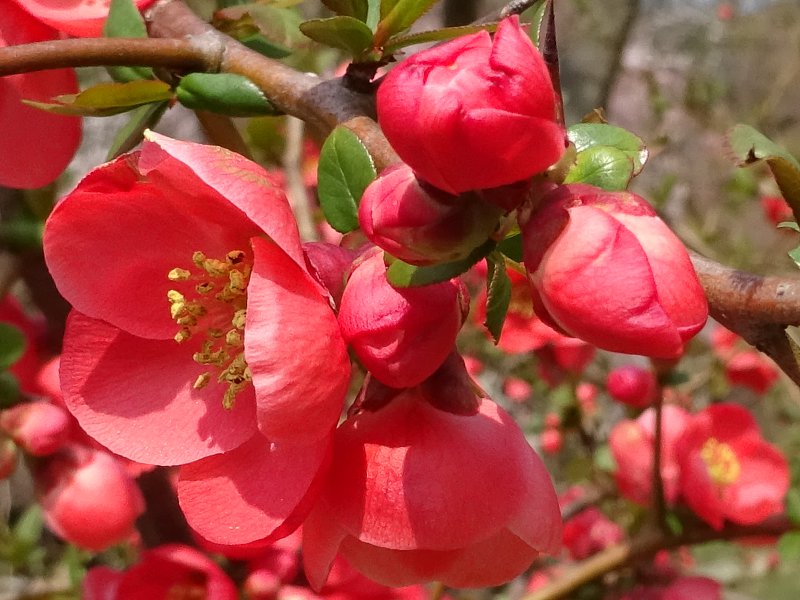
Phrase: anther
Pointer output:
(202, 381)
(177, 274)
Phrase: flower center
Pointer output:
(721, 462)
(213, 302)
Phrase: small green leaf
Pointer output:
(589, 135)
(224, 93)
(602, 166)
(789, 225)
(751, 147)
(107, 99)
(674, 523)
(795, 255)
(262, 45)
(435, 35)
(12, 345)
(793, 335)
(28, 528)
(374, 13)
(789, 546)
(345, 33)
(498, 298)
(793, 506)
(511, 246)
(129, 136)
(399, 17)
(535, 15)
(9, 389)
(604, 459)
(344, 172)
(401, 274)
(349, 8)
(268, 29)
(125, 21)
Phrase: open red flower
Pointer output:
(82, 18)
(419, 493)
(473, 113)
(606, 269)
(35, 146)
(727, 469)
(198, 336)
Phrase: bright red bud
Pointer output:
(752, 370)
(40, 428)
(400, 335)
(606, 269)
(420, 224)
(473, 113)
(632, 385)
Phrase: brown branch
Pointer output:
(180, 54)
(621, 555)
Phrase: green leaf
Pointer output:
(789, 546)
(268, 30)
(345, 33)
(401, 274)
(224, 93)
(751, 147)
(590, 135)
(344, 172)
(107, 99)
(386, 6)
(674, 523)
(9, 389)
(129, 136)
(498, 290)
(602, 166)
(12, 345)
(793, 335)
(28, 528)
(400, 16)
(535, 15)
(349, 8)
(789, 225)
(511, 246)
(793, 506)
(435, 35)
(374, 12)
(795, 255)
(262, 45)
(604, 459)
(125, 21)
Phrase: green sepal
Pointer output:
(106, 99)
(498, 294)
(12, 345)
(535, 16)
(401, 274)
(345, 33)
(345, 170)
(125, 21)
(130, 134)
(224, 93)
(750, 147)
(602, 166)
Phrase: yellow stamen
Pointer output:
(178, 275)
(202, 381)
(721, 462)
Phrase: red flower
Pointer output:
(752, 370)
(776, 209)
(632, 385)
(606, 269)
(35, 146)
(589, 532)
(165, 572)
(727, 469)
(474, 112)
(198, 336)
(422, 225)
(631, 444)
(400, 335)
(418, 493)
(82, 18)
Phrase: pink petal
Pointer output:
(299, 362)
(135, 396)
(36, 146)
(256, 491)
(228, 175)
(82, 18)
(111, 243)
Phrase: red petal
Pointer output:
(135, 396)
(82, 18)
(36, 146)
(111, 243)
(258, 490)
(240, 181)
(295, 351)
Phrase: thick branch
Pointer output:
(646, 547)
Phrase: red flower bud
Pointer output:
(40, 428)
(551, 441)
(423, 225)
(88, 498)
(632, 385)
(82, 18)
(752, 370)
(400, 335)
(473, 113)
(606, 269)
(589, 532)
